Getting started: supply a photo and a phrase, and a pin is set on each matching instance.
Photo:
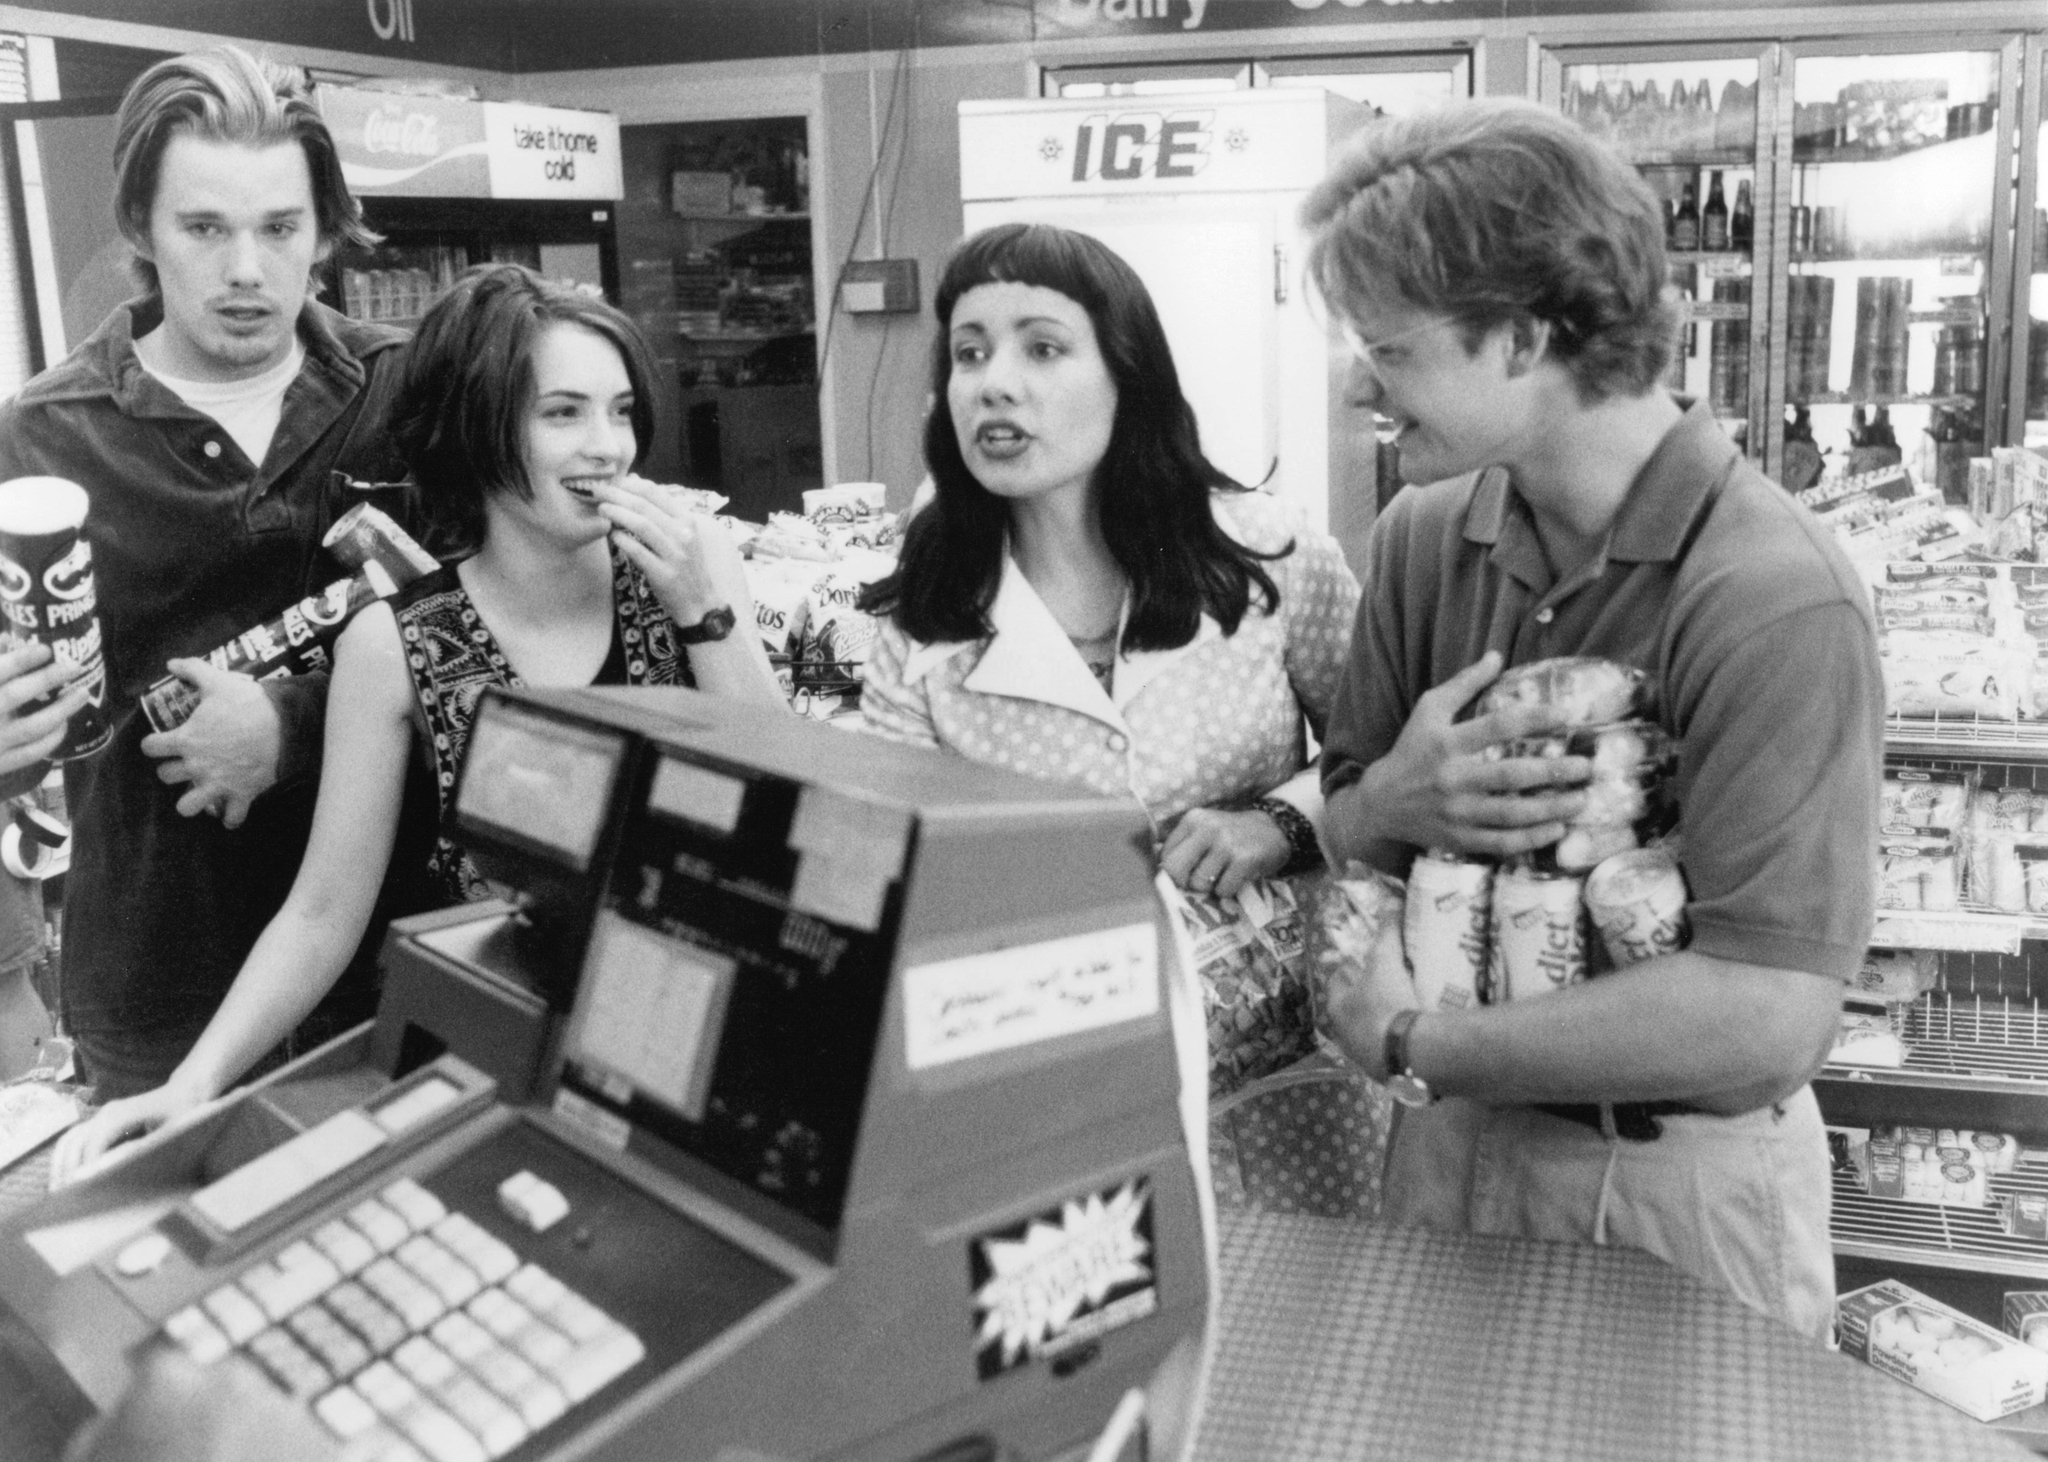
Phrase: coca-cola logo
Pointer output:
(70, 577)
(411, 134)
(14, 580)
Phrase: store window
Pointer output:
(715, 264)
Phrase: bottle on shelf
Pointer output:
(1698, 130)
(1685, 224)
(1653, 118)
(1742, 222)
(1714, 217)
(1599, 114)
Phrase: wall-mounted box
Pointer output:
(879, 287)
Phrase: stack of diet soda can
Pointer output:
(1477, 933)
(1480, 934)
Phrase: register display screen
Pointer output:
(544, 781)
(650, 1014)
(730, 1002)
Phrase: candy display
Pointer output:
(806, 573)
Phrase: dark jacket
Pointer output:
(192, 543)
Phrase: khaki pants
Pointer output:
(1740, 1203)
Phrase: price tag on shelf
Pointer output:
(1959, 266)
(1721, 310)
(1966, 314)
(1961, 930)
(1724, 266)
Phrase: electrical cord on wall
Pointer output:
(867, 198)
(888, 223)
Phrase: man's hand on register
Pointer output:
(176, 1412)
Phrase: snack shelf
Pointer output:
(1893, 1231)
(1974, 1043)
(1971, 735)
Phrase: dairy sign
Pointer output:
(441, 147)
(1070, 148)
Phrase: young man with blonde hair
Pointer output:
(1502, 276)
(210, 421)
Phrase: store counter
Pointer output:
(1337, 1339)
(1340, 1338)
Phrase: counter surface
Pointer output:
(1337, 1336)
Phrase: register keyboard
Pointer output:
(413, 1333)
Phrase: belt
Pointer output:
(1633, 1121)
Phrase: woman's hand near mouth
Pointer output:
(691, 562)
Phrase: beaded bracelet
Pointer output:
(1304, 852)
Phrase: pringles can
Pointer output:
(1539, 940)
(1637, 900)
(1444, 927)
(47, 594)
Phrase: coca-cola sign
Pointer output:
(396, 129)
(417, 146)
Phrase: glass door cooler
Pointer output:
(1691, 120)
(1840, 224)
(2027, 398)
(1895, 215)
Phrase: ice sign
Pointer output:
(1142, 145)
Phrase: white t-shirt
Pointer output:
(247, 410)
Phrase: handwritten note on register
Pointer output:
(980, 1003)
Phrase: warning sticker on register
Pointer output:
(1062, 1278)
(980, 1003)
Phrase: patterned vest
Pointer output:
(454, 657)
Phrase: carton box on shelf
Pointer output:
(2026, 1316)
(1941, 1351)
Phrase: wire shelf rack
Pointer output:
(1969, 735)
(1893, 1230)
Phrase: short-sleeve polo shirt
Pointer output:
(1754, 629)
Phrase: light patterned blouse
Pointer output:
(1214, 723)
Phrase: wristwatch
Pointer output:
(714, 626)
(1403, 1084)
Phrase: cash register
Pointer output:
(807, 1096)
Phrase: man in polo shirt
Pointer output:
(1502, 277)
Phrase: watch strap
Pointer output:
(715, 625)
(1397, 1042)
(1303, 851)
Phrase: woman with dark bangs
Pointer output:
(523, 409)
(1086, 597)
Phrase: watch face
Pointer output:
(1409, 1091)
(714, 626)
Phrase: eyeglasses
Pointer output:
(1368, 350)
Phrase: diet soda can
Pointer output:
(47, 593)
(1444, 928)
(1637, 900)
(1539, 938)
